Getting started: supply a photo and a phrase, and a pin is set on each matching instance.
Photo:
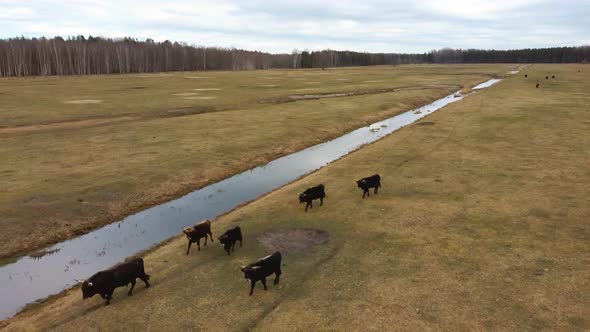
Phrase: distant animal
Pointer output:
(525, 75)
(263, 268)
(104, 282)
(546, 77)
(310, 194)
(198, 231)
(230, 237)
(373, 181)
(537, 86)
(553, 76)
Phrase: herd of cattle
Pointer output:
(104, 282)
(546, 78)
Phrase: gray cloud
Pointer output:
(280, 26)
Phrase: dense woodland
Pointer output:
(94, 55)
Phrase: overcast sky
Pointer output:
(281, 26)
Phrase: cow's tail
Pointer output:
(147, 276)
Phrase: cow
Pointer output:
(263, 268)
(525, 75)
(373, 181)
(317, 192)
(195, 233)
(230, 237)
(546, 77)
(537, 86)
(104, 282)
(553, 76)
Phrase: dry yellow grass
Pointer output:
(69, 168)
(482, 223)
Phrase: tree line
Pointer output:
(95, 55)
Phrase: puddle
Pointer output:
(33, 278)
(486, 84)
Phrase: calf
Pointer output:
(373, 181)
(312, 193)
(230, 237)
(105, 282)
(198, 231)
(263, 268)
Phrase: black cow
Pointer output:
(553, 76)
(525, 75)
(230, 237)
(263, 268)
(537, 86)
(195, 233)
(105, 282)
(317, 192)
(373, 181)
(546, 77)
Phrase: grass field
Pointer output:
(80, 152)
(482, 223)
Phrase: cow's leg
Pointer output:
(307, 206)
(107, 296)
(368, 192)
(131, 290)
(321, 201)
(278, 275)
(252, 284)
(364, 193)
(189, 246)
(205, 240)
(211, 235)
(264, 283)
(199, 244)
(145, 279)
(233, 246)
(376, 189)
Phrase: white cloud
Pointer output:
(280, 26)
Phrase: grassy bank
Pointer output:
(482, 223)
(140, 147)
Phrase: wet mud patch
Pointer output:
(199, 97)
(83, 101)
(293, 240)
(185, 94)
(425, 123)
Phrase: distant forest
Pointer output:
(94, 55)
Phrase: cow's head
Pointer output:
(302, 198)
(225, 242)
(188, 231)
(88, 289)
(250, 271)
(360, 183)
